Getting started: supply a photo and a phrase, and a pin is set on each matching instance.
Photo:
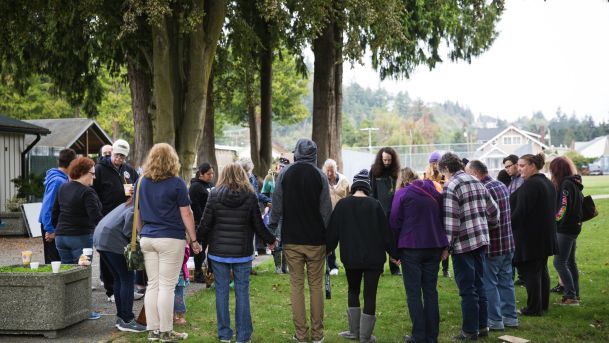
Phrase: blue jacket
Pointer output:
(53, 180)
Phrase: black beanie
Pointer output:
(361, 181)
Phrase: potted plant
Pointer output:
(42, 302)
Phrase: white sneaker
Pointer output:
(256, 253)
(334, 271)
(268, 251)
(137, 296)
(111, 298)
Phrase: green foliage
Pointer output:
(115, 115)
(44, 268)
(29, 186)
(39, 101)
(578, 159)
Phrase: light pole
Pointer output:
(370, 129)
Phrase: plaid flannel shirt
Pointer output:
(469, 210)
(515, 183)
(502, 239)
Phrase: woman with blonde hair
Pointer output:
(166, 220)
(230, 219)
(407, 175)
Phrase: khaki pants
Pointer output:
(163, 259)
(314, 257)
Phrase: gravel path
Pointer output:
(101, 330)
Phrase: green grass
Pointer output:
(45, 268)
(273, 320)
(596, 184)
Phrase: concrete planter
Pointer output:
(42, 303)
(14, 225)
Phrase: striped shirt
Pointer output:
(469, 210)
(502, 240)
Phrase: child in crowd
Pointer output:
(179, 306)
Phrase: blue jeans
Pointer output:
(420, 273)
(179, 306)
(469, 269)
(123, 284)
(499, 287)
(565, 264)
(70, 247)
(243, 316)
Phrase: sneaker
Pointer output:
(154, 335)
(94, 315)
(558, 289)
(111, 298)
(172, 336)
(268, 251)
(321, 340)
(294, 338)
(131, 326)
(462, 336)
(569, 302)
(256, 253)
(445, 273)
(278, 270)
(408, 339)
(137, 295)
(334, 271)
(483, 333)
(225, 340)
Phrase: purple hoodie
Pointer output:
(416, 218)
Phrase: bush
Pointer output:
(30, 187)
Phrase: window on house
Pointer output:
(511, 140)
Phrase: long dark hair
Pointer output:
(560, 168)
(377, 168)
(203, 168)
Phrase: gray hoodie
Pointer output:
(113, 232)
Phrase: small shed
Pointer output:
(84, 135)
(14, 147)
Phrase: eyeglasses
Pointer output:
(510, 166)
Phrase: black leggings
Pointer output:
(371, 281)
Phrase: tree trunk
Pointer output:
(251, 115)
(266, 110)
(335, 137)
(324, 97)
(163, 80)
(141, 95)
(207, 148)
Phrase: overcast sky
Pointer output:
(548, 54)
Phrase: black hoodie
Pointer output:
(569, 206)
(229, 222)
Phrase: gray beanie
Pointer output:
(361, 181)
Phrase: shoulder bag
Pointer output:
(133, 252)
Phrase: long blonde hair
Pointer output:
(162, 162)
(234, 177)
(407, 175)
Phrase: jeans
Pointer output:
(420, 273)
(499, 287)
(70, 247)
(243, 315)
(371, 282)
(469, 270)
(537, 282)
(123, 284)
(179, 306)
(331, 259)
(566, 266)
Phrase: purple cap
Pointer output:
(435, 156)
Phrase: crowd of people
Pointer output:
(488, 227)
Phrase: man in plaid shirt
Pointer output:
(498, 282)
(469, 211)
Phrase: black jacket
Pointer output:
(76, 210)
(363, 231)
(533, 219)
(383, 189)
(109, 182)
(199, 192)
(569, 206)
(229, 222)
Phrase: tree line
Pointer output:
(174, 50)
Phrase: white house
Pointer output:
(597, 148)
(13, 150)
(511, 140)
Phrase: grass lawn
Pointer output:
(273, 320)
(596, 184)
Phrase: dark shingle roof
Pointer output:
(18, 126)
(68, 130)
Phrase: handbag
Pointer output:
(588, 209)
(133, 252)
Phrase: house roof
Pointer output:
(522, 132)
(71, 133)
(486, 134)
(18, 126)
(597, 147)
